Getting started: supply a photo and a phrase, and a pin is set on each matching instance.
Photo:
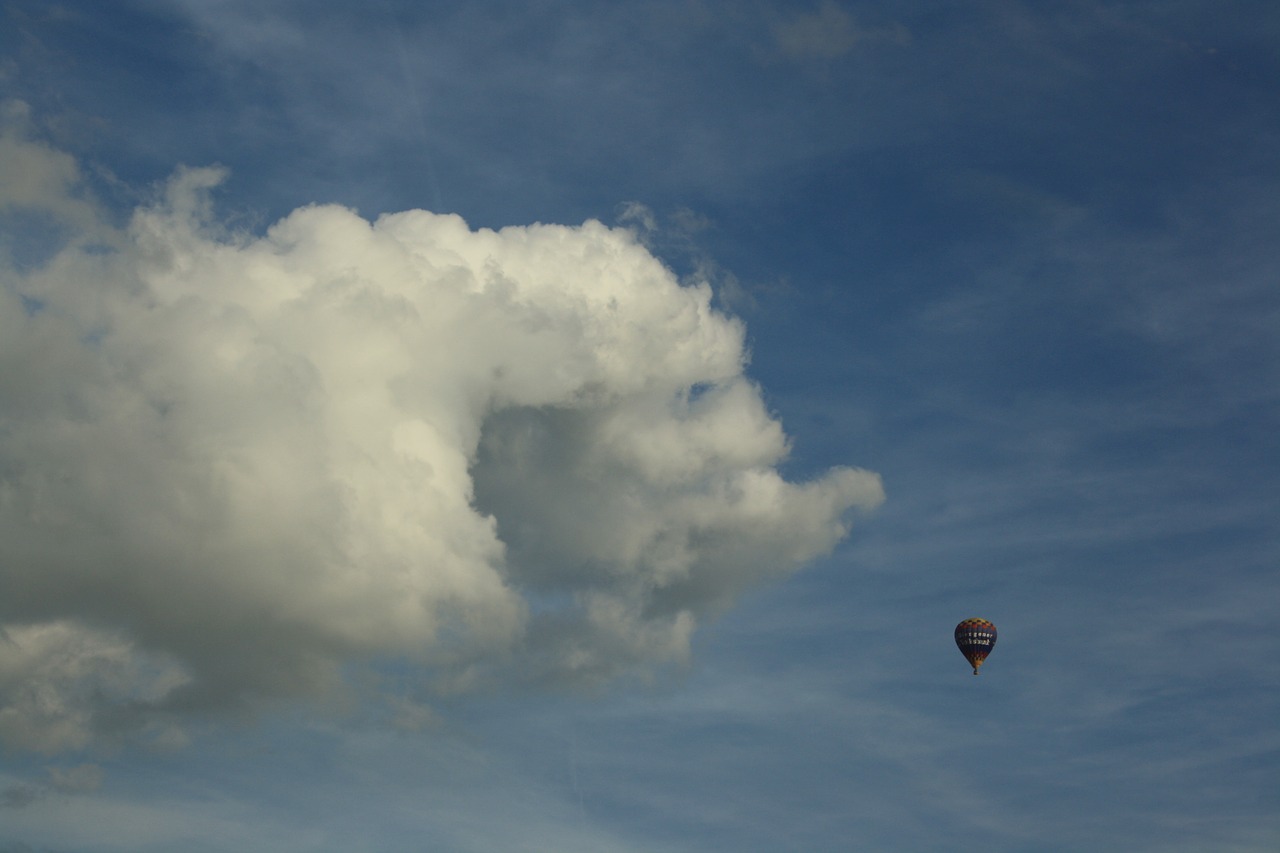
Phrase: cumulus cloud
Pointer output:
(234, 468)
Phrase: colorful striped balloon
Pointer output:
(976, 638)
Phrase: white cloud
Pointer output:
(55, 675)
(232, 465)
(34, 177)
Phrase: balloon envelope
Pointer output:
(976, 638)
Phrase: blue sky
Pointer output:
(626, 500)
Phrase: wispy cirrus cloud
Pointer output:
(829, 32)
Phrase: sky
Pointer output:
(567, 426)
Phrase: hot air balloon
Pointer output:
(976, 638)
